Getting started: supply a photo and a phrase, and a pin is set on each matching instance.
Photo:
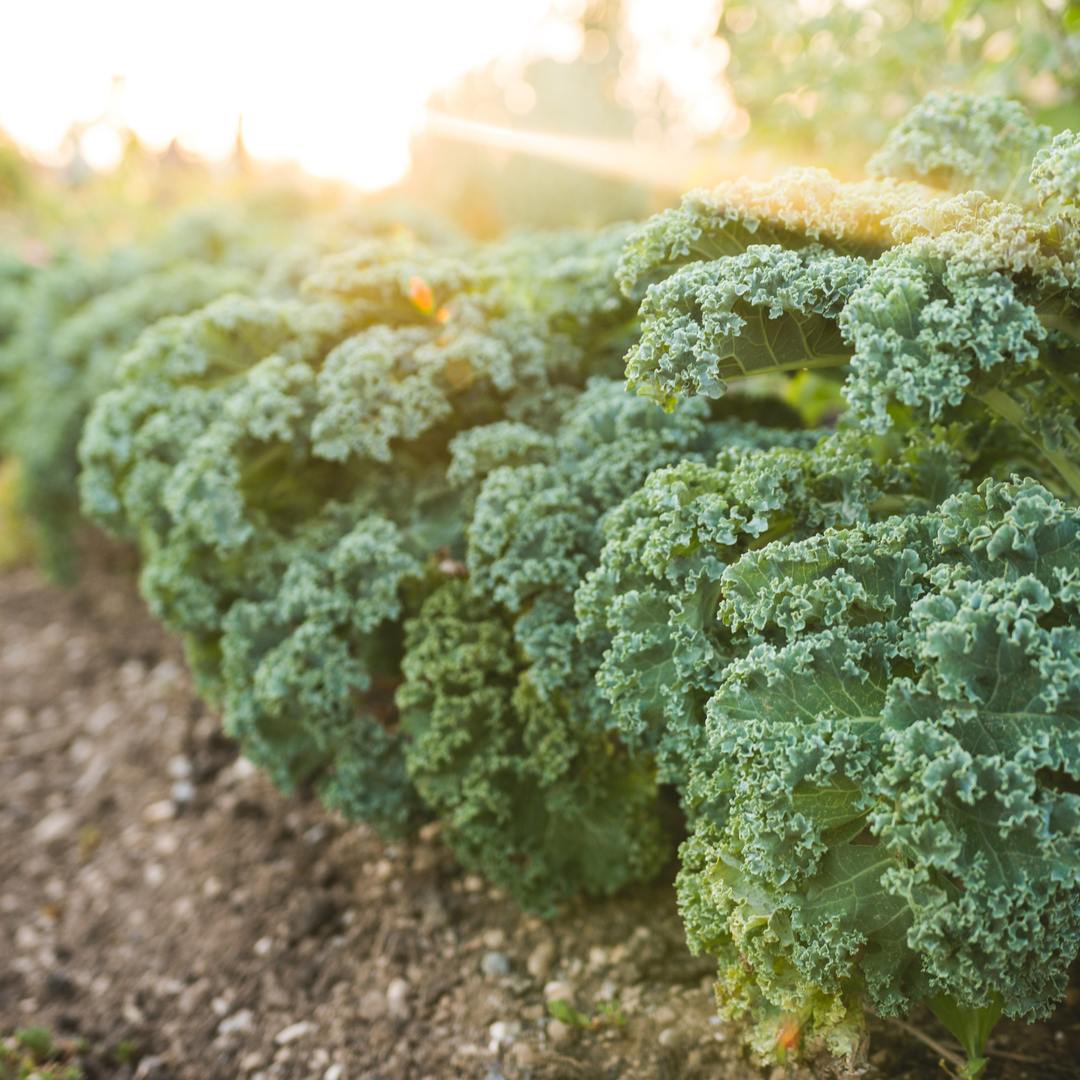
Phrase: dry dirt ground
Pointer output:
(162, 903)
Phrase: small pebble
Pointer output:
(397, 994)
(495, 964)
(179, 767)
(244, 1020)
(316, 835)
(102, 717)
(182, 792)
(473, 883)
(132, 1013)
(503, 1033)
(155, 813)
(431, 832)
(243, 769)
(191, 997)
(263, 946)
(293, 1032)
(148, 1066)
(525, 1055)
(373, 1005)
(26, 937)
(495, 938)
(540, 960)
(559, 991)
(154, 874)
(53, 826)
(561, 1034)
(598, 958)
(669, 1037)
(335, 1072)
(665, 1016)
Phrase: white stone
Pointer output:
(179, 767)
(155, 813)
(335, 1072)
(182, 792)
(373, 1005)
(242, 769)
(397, 994)
(102, 717)
(243, 1020)
(541, 959)
(503, 1033)
(54, 826)
(263, 946)
(495, 964)
(495, 938)
(559, 991)
(27, 938)
(132, 1013)
(431, 832)
(560, 1033)
(293, 1032)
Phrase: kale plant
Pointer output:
(860, 663)
(286, 467)
(63, 329)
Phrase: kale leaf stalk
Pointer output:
(1008, 408)
(971, 1025)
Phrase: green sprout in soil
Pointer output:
(609, 1015)
(31, 1054)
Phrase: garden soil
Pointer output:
(169, 915)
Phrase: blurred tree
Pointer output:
(488, 190)
(829, 78)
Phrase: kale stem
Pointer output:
(1060, 377)
(1008, 409)
(971, 1025)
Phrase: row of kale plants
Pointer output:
(428, 549)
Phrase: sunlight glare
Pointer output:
(336, 86)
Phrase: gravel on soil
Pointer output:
(159, 900)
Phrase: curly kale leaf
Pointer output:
(56, 388)
(542, 804)
(1055, 172)
(653, 599)
(800, 208)
(959, 141)
(884, 807)
(924, 331)
(305, 668)
(767, 310)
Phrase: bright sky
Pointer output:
(334, 84)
